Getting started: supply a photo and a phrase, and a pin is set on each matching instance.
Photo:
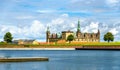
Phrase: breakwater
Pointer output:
(23, 59)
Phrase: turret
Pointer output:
(78, 27)
(47, 34)
(98, 34)
(98, 31)
(78, 30)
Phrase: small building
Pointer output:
(28, 41)
(25, 41)
(35, 42)
(15, 41)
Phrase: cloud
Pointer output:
(65, 15)
(113, 3)
(114, 31)
(58, 21)
(35, 30)
(92, 27)
(65, 22)
(25, 17)
(37, 27)
(6, 28)
(46, 11)
(61, 22)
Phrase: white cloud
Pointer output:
(46, 11)
(3, 28)
(67, 23)
(37, 27)
(114, 31)
(25, 17)
(72, 25)
(65, 15)
(10, 28)
(58, 21)
(92, 27)
(63, 22)
(112, 3)
(34, 30)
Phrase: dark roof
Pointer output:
(24, 40)
(67, 31)
(28, 40)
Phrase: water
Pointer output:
(64, 60)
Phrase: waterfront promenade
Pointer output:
(37, 48)
(110, 47)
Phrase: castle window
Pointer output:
(91, 36)
(84, 35)
(96, 35)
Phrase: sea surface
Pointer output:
(64, 60)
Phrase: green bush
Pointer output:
(26, 45)
(3, 43)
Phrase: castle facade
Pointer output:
(78, 36)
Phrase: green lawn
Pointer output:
(2, 45)
(104, 43)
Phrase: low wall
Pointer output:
(23, 59)
(107, 47)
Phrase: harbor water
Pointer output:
(63, 60)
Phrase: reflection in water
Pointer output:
(70, 60)
(8, 66)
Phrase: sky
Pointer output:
(29, 19)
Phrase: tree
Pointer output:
(8, 37)
(70, 38)
(108, 37)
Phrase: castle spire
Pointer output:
(47, 34)
(78, 27)
(98, 31)
(48, 29)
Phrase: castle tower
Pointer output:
(78, 33)
(98, 34)
(78, 27)
(98, 31)
(47, 34)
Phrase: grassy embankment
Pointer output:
(60, 45)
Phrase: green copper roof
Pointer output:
(48, 28)
(78, 28)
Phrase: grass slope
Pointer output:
(60, 45)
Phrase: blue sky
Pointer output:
(28, 19)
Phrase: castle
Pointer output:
(78, 36)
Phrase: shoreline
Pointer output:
(58, 49)
(37, 48)
(90, 47)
